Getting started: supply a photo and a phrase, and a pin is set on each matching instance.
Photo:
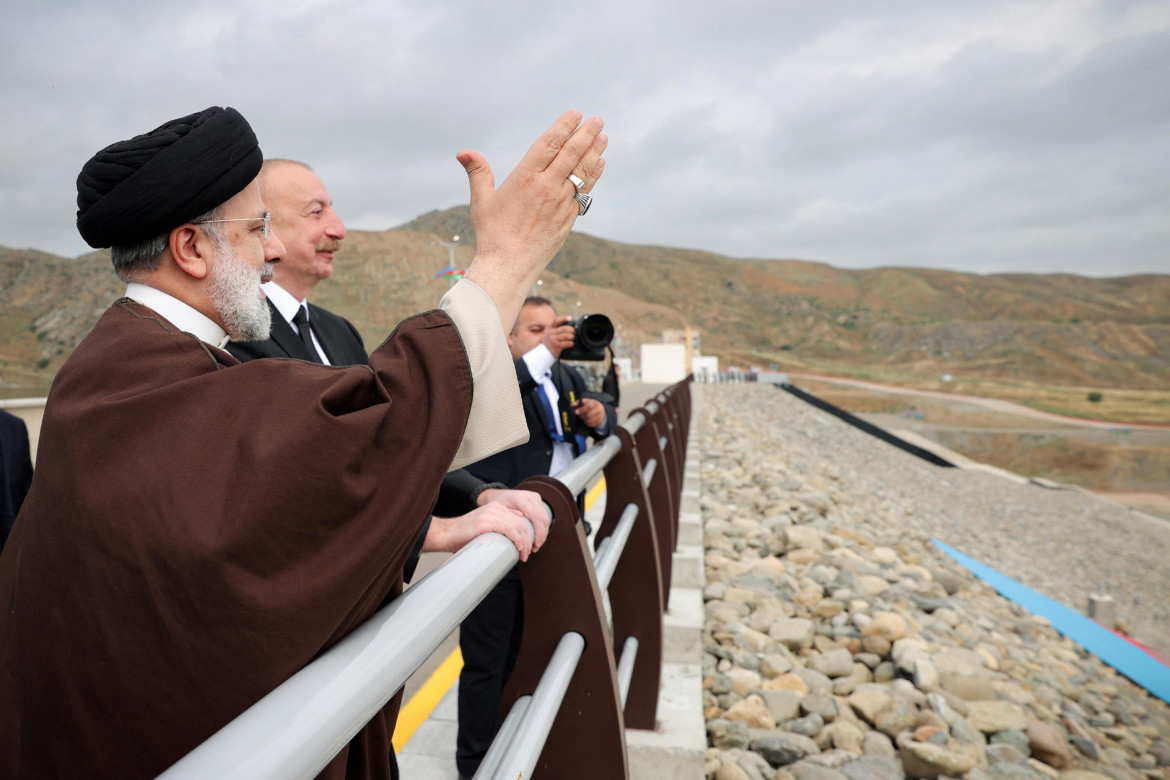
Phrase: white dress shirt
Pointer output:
(287, 305)
(177, 313)
(539, 361)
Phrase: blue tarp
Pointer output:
(1124, 656)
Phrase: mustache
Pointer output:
(329, 245)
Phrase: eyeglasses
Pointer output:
(267, 222)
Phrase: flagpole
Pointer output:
(451, 257)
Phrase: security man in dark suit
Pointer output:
(560, 419)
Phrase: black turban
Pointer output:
(135, 190)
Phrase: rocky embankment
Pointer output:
(840, 643)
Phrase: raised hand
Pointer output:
(520, 225)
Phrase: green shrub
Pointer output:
(1095, 397)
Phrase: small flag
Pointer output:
(449, 272)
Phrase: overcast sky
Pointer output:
(974, 136)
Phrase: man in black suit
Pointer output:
(560, 418)
(311, 231)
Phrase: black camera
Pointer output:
(593, 334)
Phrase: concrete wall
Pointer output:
(701, 364)
(664, 363)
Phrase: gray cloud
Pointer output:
(981, 137)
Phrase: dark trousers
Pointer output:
(489, 639)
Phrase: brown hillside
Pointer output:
(899, 324)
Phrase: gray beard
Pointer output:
(235, 294)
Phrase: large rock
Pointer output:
(873, 768)
(786, 682)
(1009, 771)
(816, 682)
(1048, 744)
(752, 764)
(806, 770)
(743, 681)
(810, 725)
(897, 716)
(1161, 751)
(958, 661)
(925, 759)
(835, 663)
(1014, 737)
(732, 772)
(819, 703)
(992, 716)
(794, 633)
(725, 734)
(803, 556)
(756, 641)
(842, 735)
(968, 688)
(775, 664)
(925, 675)
(878, 744)
(908, 651)
(784, 705)
(753, 712)
(886, 625)
(869, 701)
(780, 749)
(803, 537)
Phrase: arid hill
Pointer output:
(899, 324)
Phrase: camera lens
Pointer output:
(595, 331)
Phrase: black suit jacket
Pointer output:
(338, 337)
(16, 470)
(533, 458)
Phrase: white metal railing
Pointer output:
(301, 725)
(296, 729)
(519, 754)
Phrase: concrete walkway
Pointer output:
(674, 750)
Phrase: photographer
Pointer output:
(559, 418)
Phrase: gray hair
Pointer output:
(133, 261)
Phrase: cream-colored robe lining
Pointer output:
(496, 421)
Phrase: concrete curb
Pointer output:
(677, 748)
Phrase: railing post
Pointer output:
(638, 590)
(659, 489)
(587, 740)
(675, 449)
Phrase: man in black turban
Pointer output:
(138, 189)
(178, 556)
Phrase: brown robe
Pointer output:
(199, 529)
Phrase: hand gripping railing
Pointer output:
(568, 700)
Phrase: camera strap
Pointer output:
(565, 401)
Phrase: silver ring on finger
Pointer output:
(576, 181)
(583, 202)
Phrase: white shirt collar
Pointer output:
(540, 361)
(282, 299)
(179, 314)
